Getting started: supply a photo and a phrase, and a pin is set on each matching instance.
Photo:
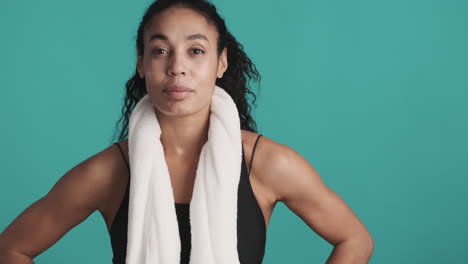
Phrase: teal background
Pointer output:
(372, 93)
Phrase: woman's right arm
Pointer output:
(76, 195)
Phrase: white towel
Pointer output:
(153, 232)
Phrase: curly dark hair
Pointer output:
(234, 81)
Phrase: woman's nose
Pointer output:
(176, 64)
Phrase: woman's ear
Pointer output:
(222, 63)
(141, 73)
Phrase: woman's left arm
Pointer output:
(297, 184)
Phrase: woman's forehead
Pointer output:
(180, 24)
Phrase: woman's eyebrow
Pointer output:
(189, 37)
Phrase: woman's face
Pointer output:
(181, 49)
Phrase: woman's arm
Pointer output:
(76, 195)
(298, 185)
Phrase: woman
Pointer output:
(185, 44)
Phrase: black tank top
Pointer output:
(251, 231)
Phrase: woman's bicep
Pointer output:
(75, 196)
(302, 190)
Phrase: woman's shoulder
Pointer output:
(100, 173)
(124, 147)
(265, 147)
(264, 161)
(282, 170)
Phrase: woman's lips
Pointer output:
(178, 95)
(177, 91)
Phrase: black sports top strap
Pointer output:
(253, 151)
(123, 156)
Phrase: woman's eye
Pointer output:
(156, 51)
(201, 51)
(161, 51)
